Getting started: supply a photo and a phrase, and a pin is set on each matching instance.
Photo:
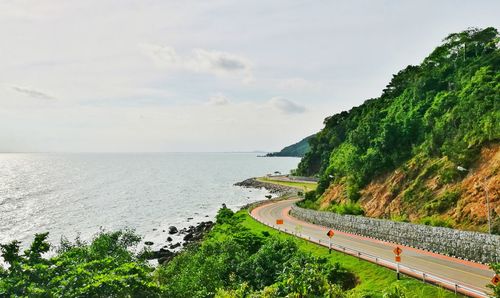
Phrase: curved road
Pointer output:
(471, 278)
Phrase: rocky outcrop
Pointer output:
(196, 233)
(271, 187)
(190, 235)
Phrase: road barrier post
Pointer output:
(330, 235)
(397, 251)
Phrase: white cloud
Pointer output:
(286, 106)
(32, 93)
(201, 61)
(218, 100)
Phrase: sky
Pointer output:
(203, 76)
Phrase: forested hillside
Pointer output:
(298, 149)
(397, 156)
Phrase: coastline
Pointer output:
(178, 239)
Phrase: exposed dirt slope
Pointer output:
(433, 190)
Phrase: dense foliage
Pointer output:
(235, 262)
(298, 149)
(103, 268)
(445, 107)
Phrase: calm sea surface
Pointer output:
(71, 194)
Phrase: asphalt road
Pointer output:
(466, 274)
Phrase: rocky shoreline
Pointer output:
(194, 234)
(189, 235)
(271, 187)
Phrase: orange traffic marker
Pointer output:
(279, 221)
(495, 280)
(397, 251)
(330, 233)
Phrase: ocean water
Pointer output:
(78, 194)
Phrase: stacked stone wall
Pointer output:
(474, 246)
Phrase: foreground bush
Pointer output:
(103, 268)
(234, 262)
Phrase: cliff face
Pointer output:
(419, 189)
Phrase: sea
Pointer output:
(74, 195)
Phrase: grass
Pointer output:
(308, 186)
(373, 279)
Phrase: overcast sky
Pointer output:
(113, 76)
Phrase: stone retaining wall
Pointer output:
(478, 247)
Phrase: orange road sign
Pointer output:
(398, 259)
(279, 221)
(397, 251)
(330, 233)
(495, 280)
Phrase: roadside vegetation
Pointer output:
(238, 258)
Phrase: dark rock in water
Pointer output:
(155, 229)
(165, 255)
(174, 246)
(269, 196)
(172, 230)
(196, 233)
(169, 239)
(206, 216)
(149, 243)
(188, 237)
(163, 231)
(189, 218)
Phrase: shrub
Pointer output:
(308, 205)
(309, 201)
(347, 208)
(310, 196)
(400, 218)
(442, 203)
(436, 221)
(224, 215)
